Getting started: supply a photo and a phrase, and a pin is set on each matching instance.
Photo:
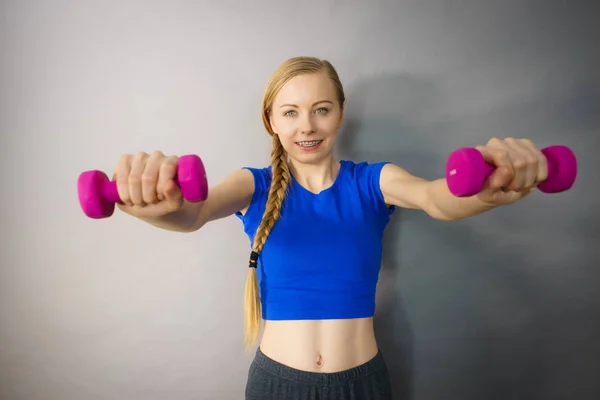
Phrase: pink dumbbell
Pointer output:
(98, 195)
(466, 171)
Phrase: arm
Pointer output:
(232, 194)
(519, 164)
(402, 189)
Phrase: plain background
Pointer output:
(501, 306)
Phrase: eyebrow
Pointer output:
(314, 104)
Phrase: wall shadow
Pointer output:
(466, 309)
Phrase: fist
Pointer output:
(146, 184)
(520, 166)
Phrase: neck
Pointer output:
(315, 176)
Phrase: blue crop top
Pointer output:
(323, 256)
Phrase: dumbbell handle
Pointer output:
(110, 192)
(467, 171)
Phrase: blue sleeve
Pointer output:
(372, 175)
(259, 196)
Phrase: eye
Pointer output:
(289, 113)
(322, 110)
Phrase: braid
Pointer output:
(280, 181)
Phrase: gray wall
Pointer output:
(504, 305)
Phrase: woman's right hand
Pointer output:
(146, 185)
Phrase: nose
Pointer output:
(307, 125)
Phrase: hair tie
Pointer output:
(253, 259)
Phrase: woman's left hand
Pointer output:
(520, 166)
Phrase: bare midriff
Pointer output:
(320, 346)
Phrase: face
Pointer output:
(306, 115)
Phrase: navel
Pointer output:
(320, 361)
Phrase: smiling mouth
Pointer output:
(309, 143)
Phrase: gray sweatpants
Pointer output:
(270, 380)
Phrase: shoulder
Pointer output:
(365, 170)
(260, 178)
(260, 175)
(366, 177)
(258, 170)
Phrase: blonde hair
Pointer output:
(280, 180)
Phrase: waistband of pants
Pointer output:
(375, 364)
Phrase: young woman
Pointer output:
(315, 224)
